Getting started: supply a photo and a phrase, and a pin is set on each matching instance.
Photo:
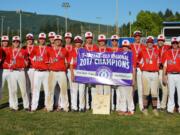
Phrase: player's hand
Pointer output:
(164, 80)
(72, 76)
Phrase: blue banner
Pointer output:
(109, 68)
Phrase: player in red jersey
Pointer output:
(172, 71)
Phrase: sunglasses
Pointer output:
(114, 40)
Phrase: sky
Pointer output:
(93, 11)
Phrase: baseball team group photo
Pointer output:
(62, 76)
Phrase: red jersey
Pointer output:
(29, 50)
(91, 47)
(162, 51)
(149, 59)
(41, 57)
(104, 49)
(5, 58)
(172, 60)
(136, 49)
(74, 58)
(69, 49)
(116, 49)
(57, 59)
(18, 58)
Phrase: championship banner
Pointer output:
(110, 68)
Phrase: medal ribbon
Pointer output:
(174, 56)
(150, 55)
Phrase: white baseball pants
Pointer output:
(40, 77)
(78, 87)
(126, 102)
(173, 82)
(60, 79)
(18, 77)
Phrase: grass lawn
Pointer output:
(57, 123)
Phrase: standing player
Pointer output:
(77, 87)
(89, 46)
(30, 68)
(41, 74)
(125, 93)
(162, 50)
(5, 65)
(69, 49)
(172, 70)
(149, 59)
(57, 75)
(115, 48)
(103, 89)
(18, 62)
(51, 36)
(136, 48)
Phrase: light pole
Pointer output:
(66, 5)
(57, 23)
(20, 24)
(130, 24)
(8, 28)
(117, 8)
(99, 29)
(2, 24)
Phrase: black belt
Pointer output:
(174, 73)
(41, 70)
(151, 71)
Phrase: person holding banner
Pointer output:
(149, 59)
(162, 50)
(57, 75)
(77, 87)
(171, 74)
(18, 62)
(125, 93)
(89, 46)
(41, 74)
(136, 48)
(103, 89)
(115, 48)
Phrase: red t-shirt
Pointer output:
(162, 51)
(57, 59)
(69, 49)
(18, 58)
(172, 60)
(6, 58)
(41, 57)
(92, 47)
(29, 50)
(136, 49)
(149, 59)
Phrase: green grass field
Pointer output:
(71, 123)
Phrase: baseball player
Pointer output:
(103, 89)
(162, 50)
(115, 48)
(30, 68)
(18, 61)
(172, 70)
(69, 48)
(77, 87)
(57, 75)
(136, 48)
(5, 65)
(89, 88)
(41, 74)
(51, 36)
(149, 59)
(125, 93)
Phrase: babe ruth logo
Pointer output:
(104, 72)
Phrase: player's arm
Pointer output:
(72, 70)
